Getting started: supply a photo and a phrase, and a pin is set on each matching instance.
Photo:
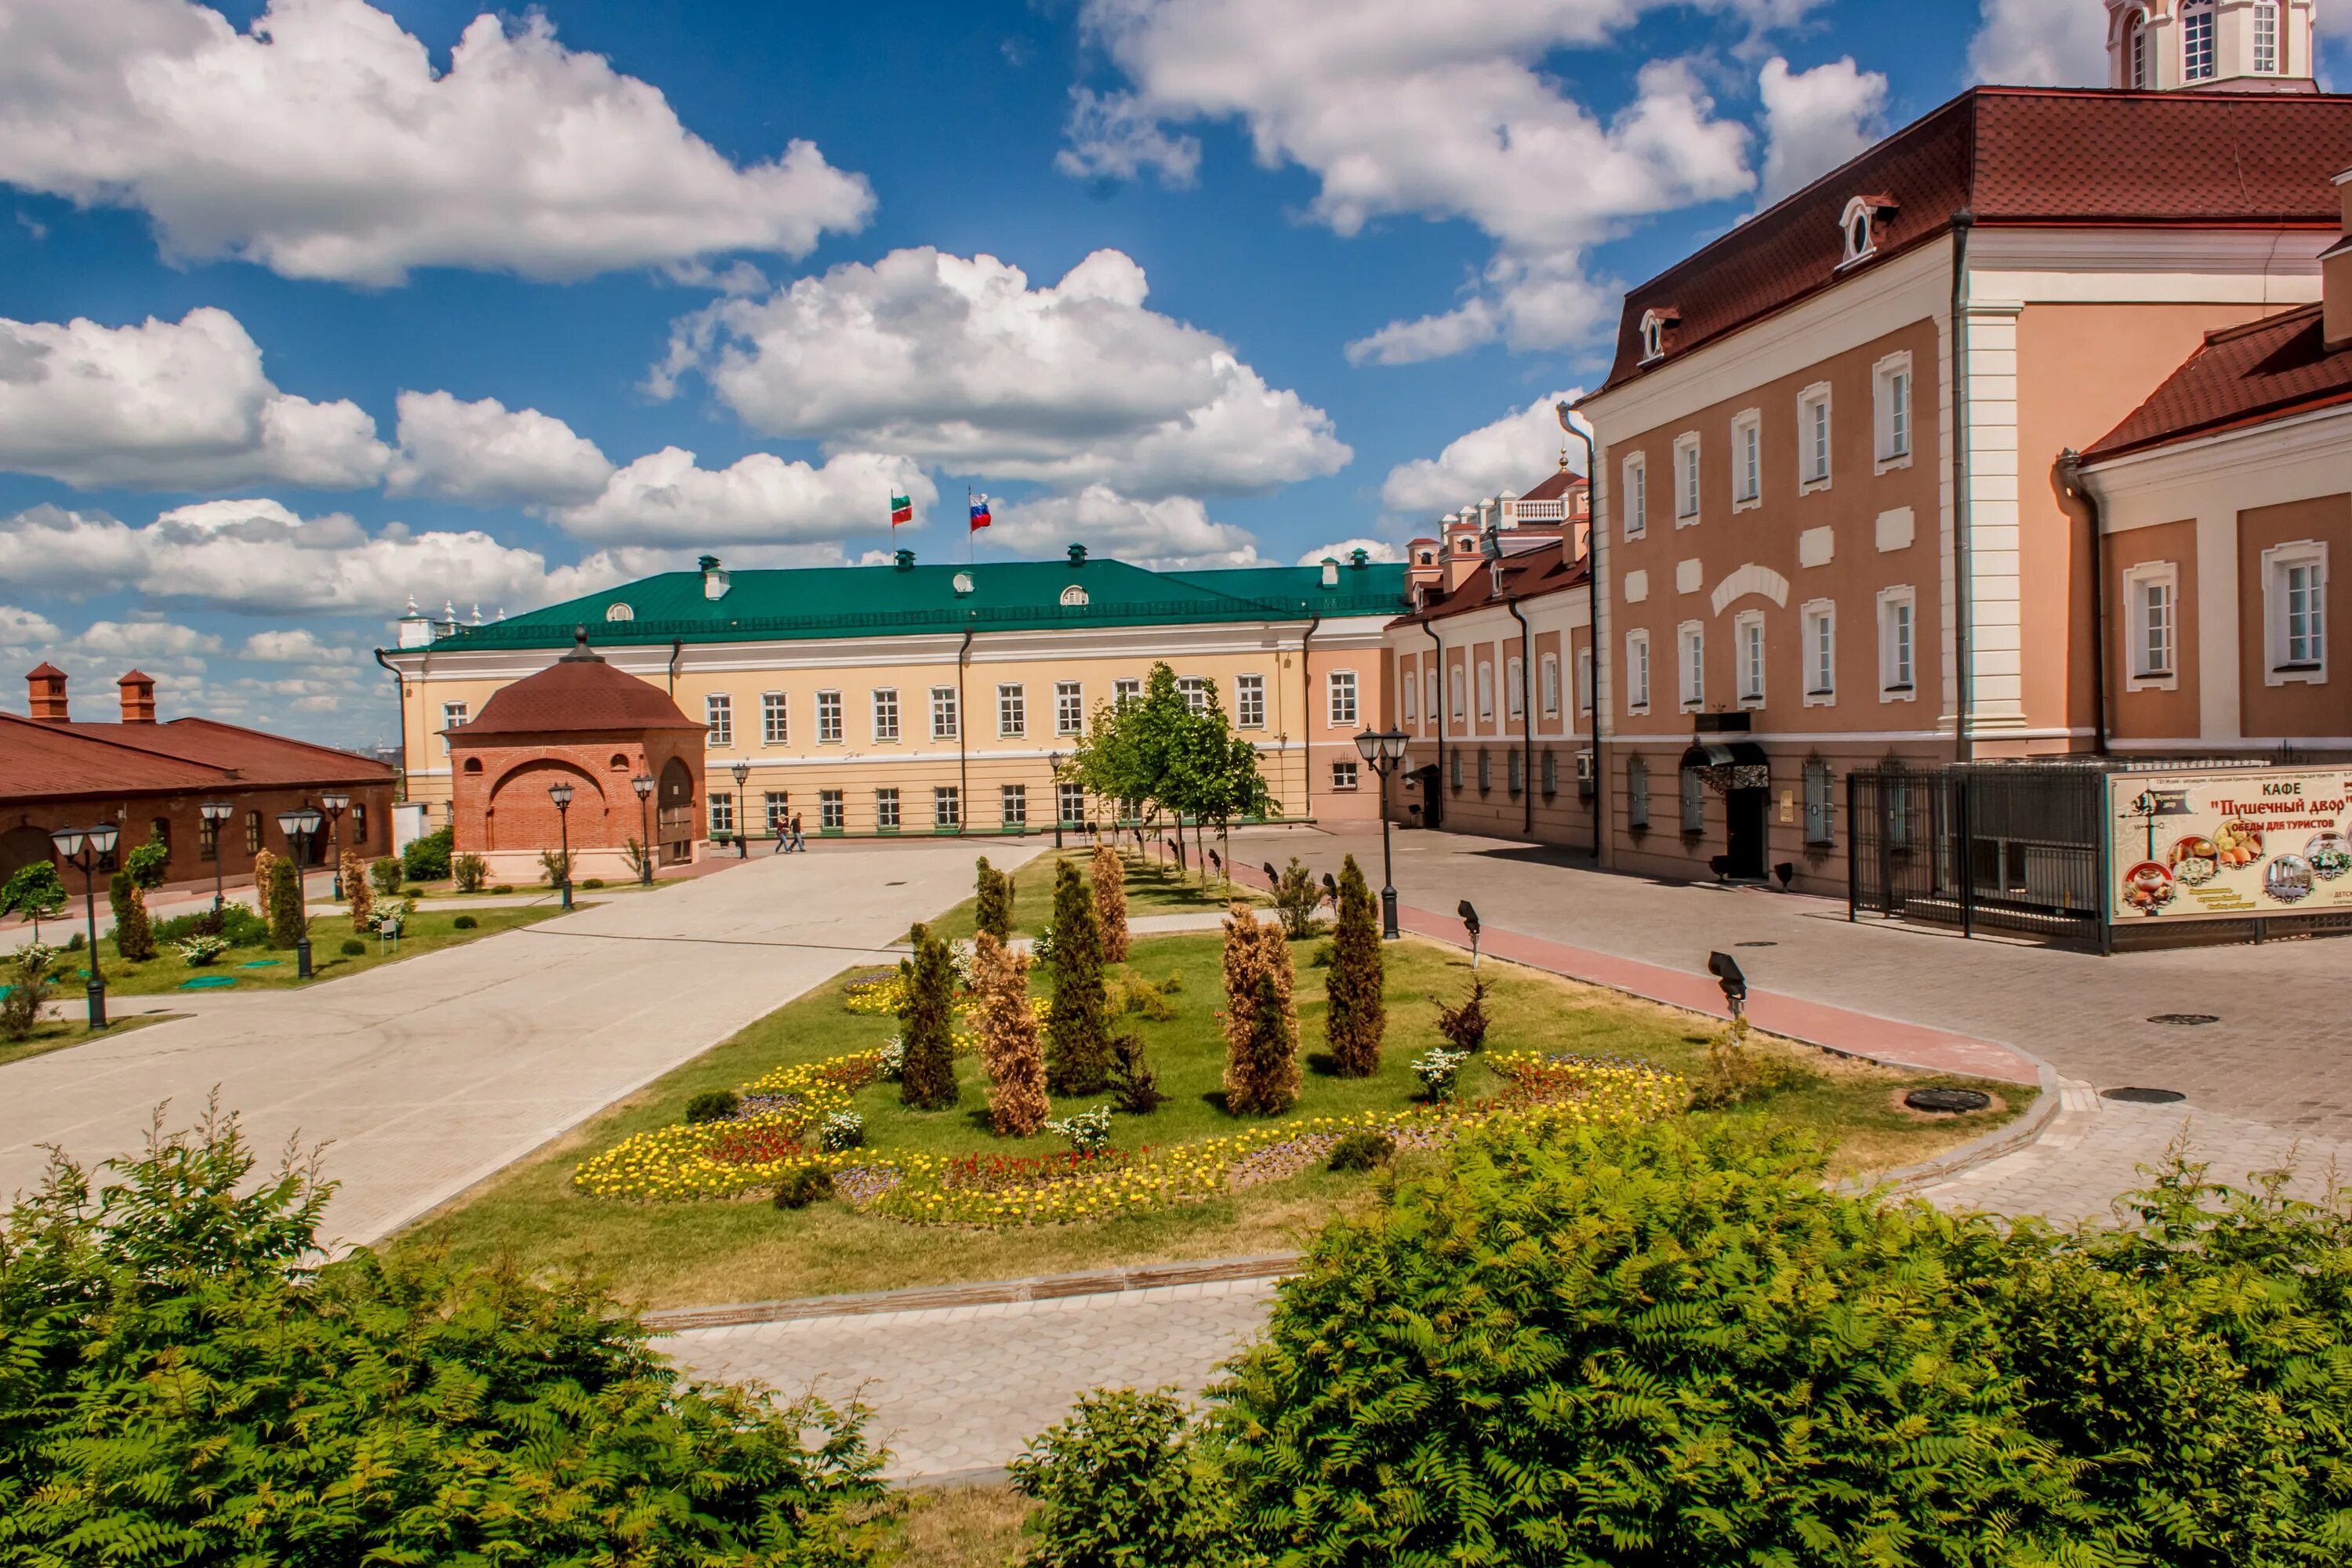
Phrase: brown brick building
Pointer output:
(148, 779)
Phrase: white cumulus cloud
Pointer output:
(2041, 43)
(295, 645)
(169, 405)
(665, 497)
(322, 142)
(1514, 453)
(1171, 533)
(484, 453)
(1401, 108)
(958, 361)
(1377, 550)
(1815, 121)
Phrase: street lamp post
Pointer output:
(644, 785)
(334, 804)
(215, 813)
(560, 794)
(299, 826)
(1384, 749)
(83, 849)
(743, 772)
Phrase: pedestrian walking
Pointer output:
(798, 842)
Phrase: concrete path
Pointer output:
(426, 1076)
(959, 1391)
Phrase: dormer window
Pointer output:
(1074, 596)
(1861, 226)
(619, 612)
(1654, 334)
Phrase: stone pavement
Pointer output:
(958, 1391)
(429, 1075)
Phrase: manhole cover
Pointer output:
(2144, 1095)
(1754, 944)
(2186, 1020)
(1946, 1101)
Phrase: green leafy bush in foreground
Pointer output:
(1667, 1347)
(182, 1381)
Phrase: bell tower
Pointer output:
(2212, 46)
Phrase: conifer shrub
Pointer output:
(1297, 896)
(384, 874)
(1077, 1035)
(285, 903)
(356, 891)
(803, 1186)
(1260, 1022)
(1465, 1024)
(1110, 903)
(712, 1105)
(134, 936)
(1134, 1086)
(1357, 1016)
(1010, 1049)
(927, 1082)
(262, 861)
(384, 1408)
(993, 896)
(1363, 1150)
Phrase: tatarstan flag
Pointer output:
(902, 509)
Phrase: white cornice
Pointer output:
(2289, 458)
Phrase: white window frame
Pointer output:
(1431, 709)
(1748, 461)
(885, 704)
(1515, 688)
(775, 719)
(1816, 439)
(1892, 653)
(721, 807)
(778, 807)
(1636, 507)
(1896, 438)
(1125, 690)
(1013, 803)
(1485, 692)
(1584, 680)
(2266, 37)
(1343, 774)
(1069, 707)
(1011, 711)
(1458, 713)
(2140, 59)
(1859, 211)
(2191, 14)
(1408, 700)
(829, 724)
(2142, 673)
(1340, 699)
(1194, 689)
(831, 811)
(1690, 666)
(1819, 618)
(2279, 667)
(1548, 683)
(888, 814)
(1637, 673)
(1249, 701)
(454, 716)
(1749, 653)
(947, 806)
(1070, 803)
(1653, 337)
(719, 720)
(1688, 459)
(947, 720)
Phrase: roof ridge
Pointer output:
(2262, 324)
(80, 730)
(210, 722)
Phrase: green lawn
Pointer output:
(1151, 890)
(681, 1254)
(263, 968)
(57, 1034)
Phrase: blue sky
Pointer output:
(1332, 264)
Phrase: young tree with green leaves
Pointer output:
(927, 1025)
(994, 898)
(36, 893)
(1077, 1030)
(148, 863)
(1357, 1015)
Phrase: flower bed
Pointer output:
(778, 1130)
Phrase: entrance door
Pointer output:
(1745, 811)
(1433, 798)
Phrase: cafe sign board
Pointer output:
(2230, 846)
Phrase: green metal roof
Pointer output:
(904, 601)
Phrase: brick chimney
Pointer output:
(138, 697)
(46, 692)
(2335, 277)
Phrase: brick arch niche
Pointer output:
(520, 804)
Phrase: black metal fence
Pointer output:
(2015, 848)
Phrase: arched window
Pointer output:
(1859, 227)
(2140, 54)
(619, 612)
(473, 765)
(1074, 595)
(1654, 334)
(617, 763)
(2266, 38)
(2197, 52)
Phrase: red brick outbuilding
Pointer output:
(583, 722)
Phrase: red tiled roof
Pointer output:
(1529, 575)
(41, 759)
(1555, 484)
(45, 670)
(2016, 157)
(579, 693)
(2263, 370)
(255, 756)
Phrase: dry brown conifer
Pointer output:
(1262, 1071)
(1110, 903)
(1010, 1049)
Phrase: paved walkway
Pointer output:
(426, 1076)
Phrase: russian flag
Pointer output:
(980, 516)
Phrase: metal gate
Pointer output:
(2007, 846)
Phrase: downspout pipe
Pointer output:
(1964, 736)
(1526, 715)
(1307, 711)
(400, 700)
(964, 736)
(1442, 719)
(1592, 615)
(677, 652)
(2077, 481)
